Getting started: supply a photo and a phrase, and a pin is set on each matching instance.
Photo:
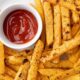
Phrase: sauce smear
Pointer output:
(20, 26)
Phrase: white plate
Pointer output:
(3, 3)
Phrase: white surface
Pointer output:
(7, 2)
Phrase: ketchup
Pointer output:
(20, 26)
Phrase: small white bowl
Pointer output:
(3, 15)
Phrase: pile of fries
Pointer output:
(56, 55)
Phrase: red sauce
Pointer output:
(20, 26)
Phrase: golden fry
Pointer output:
(62, 49)
(22, 72)
(66, 28)
(14, 67)
(77, 63)
(52, 1)
(39, 8)
(77, 2)
(75, 29)
(10, 51)
(67, 73)
(68, 5)
(7, 77)
(75, 17)
(10, 72)
(71, 1)
(32, 74)
(13, 60)
(48, 22)
(49, 72)
(44, 78)
(2, 65)
(57, 26)
(74, 77)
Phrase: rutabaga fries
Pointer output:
(13, 60)
(22, 73)
(75, 17)
(2, 65)
(57, 26)
(32, 74)
(10, 72)
(48, 22)
(62, 49)
(66, 28)
(75, 29)
(39, 8)
(49, 72)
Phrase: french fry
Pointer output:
(16, 60)
(62, 49)
(75, 29)
(39, 8)
(53, 1)
(74, 57)
(48, 22)
(14, 67)
(10, 72)
(71, 1)
(2, 65)
(22, 73)
(2, 77)
(77, 2)
(32, 74)
(10, 51)
(67, 73)
(66, 28)
(75, 17)
(7, 77)
(78, 33)
(50, 72)
(39, 76)
(70, 60)
(57, 26)
(68, 5)
(63, 64)
(74, 77)
(44, 78)
(77, 63)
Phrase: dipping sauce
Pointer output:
(20, 26)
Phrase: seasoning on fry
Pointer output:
(32, 74)
(48, 22)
